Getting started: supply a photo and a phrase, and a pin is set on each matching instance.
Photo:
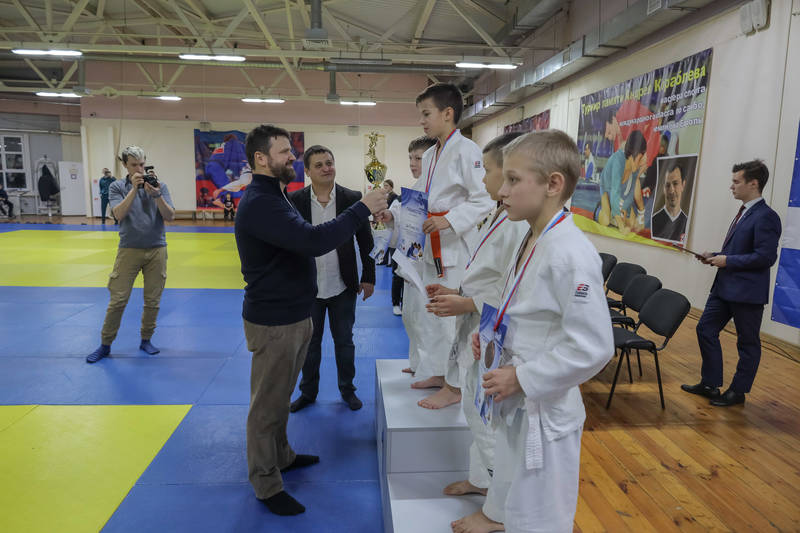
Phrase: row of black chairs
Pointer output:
(660, 310)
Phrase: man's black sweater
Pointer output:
(277, 249)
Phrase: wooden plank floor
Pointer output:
(691, 467)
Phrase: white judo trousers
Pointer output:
(559, 336)
(540, 499)
(413, 315)
(436, 333)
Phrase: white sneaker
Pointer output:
(396, 310)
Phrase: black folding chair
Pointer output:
(663, 313)
(621, 275)
(640, 288)
(608, 264)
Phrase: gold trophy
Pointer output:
(375, 170)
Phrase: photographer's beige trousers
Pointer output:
(152, 263)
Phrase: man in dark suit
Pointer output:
(337, 277)
(740, 289)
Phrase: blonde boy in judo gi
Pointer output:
(498, 242)
(558, 336)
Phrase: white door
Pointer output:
(73, 192)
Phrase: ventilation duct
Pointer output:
(641, 19)
(316, 37)
(332, 97)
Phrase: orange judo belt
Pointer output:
(436, 246)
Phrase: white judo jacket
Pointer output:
(559, 334)
(456, 186)
(483, 278)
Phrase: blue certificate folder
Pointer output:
(491, 353)
(413, 213)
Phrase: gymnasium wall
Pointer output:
(753, 112)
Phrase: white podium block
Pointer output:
(419, 452)
(419, 506)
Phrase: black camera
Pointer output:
(150, 176)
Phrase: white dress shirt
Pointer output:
(750, 204)
(329, 277)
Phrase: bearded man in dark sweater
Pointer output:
(277, 249)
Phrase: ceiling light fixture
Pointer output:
(263, 100)
(501, 66)
(169, 98)
(49, 94)
(350, 102)
(57, 53)
(205, 57)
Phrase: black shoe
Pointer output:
(352, 401)
(301, 403)
(728, 398)
(702, 390)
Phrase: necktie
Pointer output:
(733, 226)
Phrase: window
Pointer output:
(14, 167)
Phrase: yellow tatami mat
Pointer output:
(42, 258)
(67, 468)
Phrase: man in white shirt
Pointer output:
(337, 278)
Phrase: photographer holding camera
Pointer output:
(141, 204)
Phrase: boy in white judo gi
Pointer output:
(452, 174)
(412, 301)
(558, 336)
(498, 242)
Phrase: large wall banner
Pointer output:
(786, 297)
(537, 122)
(221, 168)
(640, 142)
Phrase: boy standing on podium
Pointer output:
(452, 174)
(558, 335)
(412, 303)
(498, 242)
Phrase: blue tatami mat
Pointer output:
(120, 381)
(346, 507)
(197, 483)
(209, 446)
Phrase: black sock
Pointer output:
(283, 504)
(302, 460)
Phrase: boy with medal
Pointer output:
(498, 241)
(452, 176)
(558, 336)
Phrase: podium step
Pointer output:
(418, 505)
(411, 438)
(420, 451)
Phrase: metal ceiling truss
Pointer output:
(268, 33)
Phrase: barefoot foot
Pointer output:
(460, 488)
(431, 383)
(440, 399)
(477, 522)
(408, 371)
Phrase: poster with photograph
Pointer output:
(540, 121)
(624, 131)
(221, 169)
(672, 206)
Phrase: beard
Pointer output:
(285, 174)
